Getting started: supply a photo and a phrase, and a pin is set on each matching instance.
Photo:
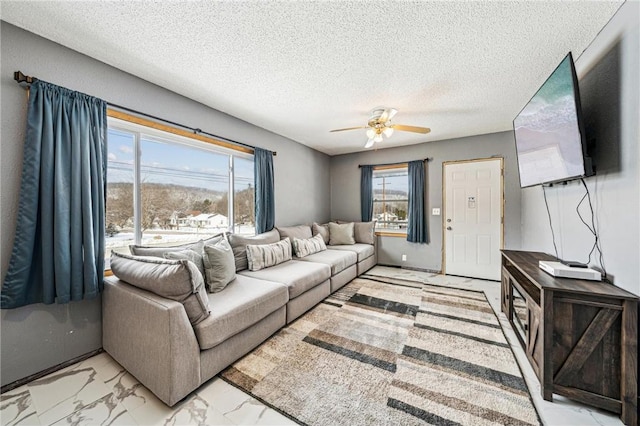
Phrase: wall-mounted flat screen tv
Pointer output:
(550, 138)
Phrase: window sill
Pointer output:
(391, 234)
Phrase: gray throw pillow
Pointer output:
(239, 245)
(300, 231)
(308, 246)
(364, 232)
(177, 280)
(322, 230)
(219, 265)
(265, 255)
(341, 233)
(194, 254)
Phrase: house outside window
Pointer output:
(391, 199)
(164, 189)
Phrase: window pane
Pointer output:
(184, 193)
(243, 198)
(390, 195)
(119, 211)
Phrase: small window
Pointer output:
(391, 199)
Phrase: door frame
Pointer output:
(444, 203)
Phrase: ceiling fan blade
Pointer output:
(369, 143)
(348, 128)
(413, 129)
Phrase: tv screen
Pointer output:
(548, 131)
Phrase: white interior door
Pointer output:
(473, 218)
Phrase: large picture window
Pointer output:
(164, 189)
(391, 199)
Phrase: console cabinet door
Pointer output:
(534, 342)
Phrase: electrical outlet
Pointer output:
(435, 211)
(404, 257)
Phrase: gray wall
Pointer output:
(608, 71)
(39, 336)
(345, 191)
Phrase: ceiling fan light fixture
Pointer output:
(377, 138)
(388, 131)
(371, 133)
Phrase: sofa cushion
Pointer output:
(341, 233)
(243, 303)
(297, 276)
(300, 231)
(193, 254)
(364, 232)
(362, 250)
(338, 260)
(219, 265)
(322, 230)
(239, 245)
(177, 280)
(266, 255)
(308, 246)
(156, 251)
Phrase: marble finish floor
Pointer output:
(98, 391)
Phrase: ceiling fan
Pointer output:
(380, 124)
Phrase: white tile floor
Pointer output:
(100, 391)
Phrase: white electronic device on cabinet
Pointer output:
(560, 270)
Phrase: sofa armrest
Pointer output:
(152, 338)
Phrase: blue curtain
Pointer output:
(265, 201)
(417, 228)
(366, 193)
(58, 250)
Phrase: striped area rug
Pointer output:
(384, 351)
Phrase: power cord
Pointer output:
(553, 235)
(592, 229)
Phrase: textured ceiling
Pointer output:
(300, 69)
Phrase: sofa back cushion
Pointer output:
(322, 230)
(155, 251)
(178, 280)
(364, 232)
(193, 254)
(239, 245)
(264, 255)
(341, 233)
(219, 265)
(300, 231)
(307, 246)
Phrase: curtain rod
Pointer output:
(25, 81)
(391, 164)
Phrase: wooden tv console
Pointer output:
(580, 336)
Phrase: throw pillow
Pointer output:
(193, 254)
(160, 251)
(239, 245)
(265, 255)
(177, 280)
(341, 233)
(364, 232)
(219, 265)
(301, 231)
(308, 246)
(322, 230)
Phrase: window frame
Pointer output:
(142, 129)
(401, 233)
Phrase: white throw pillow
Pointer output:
(307, 246)
(341, 234)
(264, 255)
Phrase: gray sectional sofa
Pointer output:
(153, 338)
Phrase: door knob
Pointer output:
(448, 228)
(448, 220)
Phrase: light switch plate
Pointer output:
(435, 211)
